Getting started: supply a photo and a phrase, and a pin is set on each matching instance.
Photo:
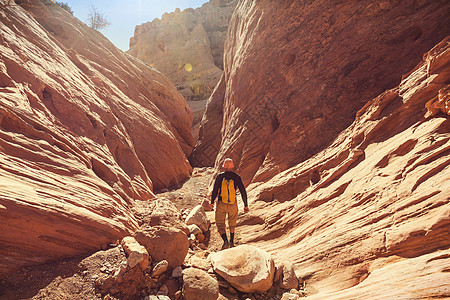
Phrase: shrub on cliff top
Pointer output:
(65, 6)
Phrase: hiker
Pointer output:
(225, 187)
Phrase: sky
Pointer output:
(124, 15)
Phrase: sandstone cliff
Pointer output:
(84, 130)
(369, 217)
(187, 46)
(296, 72)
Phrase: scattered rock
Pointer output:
(199, 263)
(158, 297)
(160, 268)
(173, 285)
(199, 285)
(288, 278)
(206, 204)
(177, 272)
(163, 290)
(194, 229)
(201, 237)
(120, 271)
(247, 268)
(131, 283)
(289, 296)
(164, 213)
(164, 243)
(198, 217)
(137, 254)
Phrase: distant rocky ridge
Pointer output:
(187, 46)
(85, 129)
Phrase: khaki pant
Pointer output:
(222, 211)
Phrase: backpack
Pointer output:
(227, 191)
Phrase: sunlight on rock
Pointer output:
(188, 67)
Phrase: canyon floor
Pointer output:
(75, 277)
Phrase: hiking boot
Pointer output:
(231, 244)
(225, 245)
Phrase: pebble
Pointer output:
(160, 268)
(164, 291)
(177, 272)
(103, 269)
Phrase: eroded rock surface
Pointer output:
(375, 204)
(296, 73)
(84, 130)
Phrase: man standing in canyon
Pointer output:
(225, 187)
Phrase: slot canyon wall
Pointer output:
(343, 140)
(299, 71)
(85, 129)
(369, 216)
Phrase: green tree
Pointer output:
(65, 6)
(96, 20)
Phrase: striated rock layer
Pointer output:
(84, 130)
(296, 73)
(187, 46)
(369, 216)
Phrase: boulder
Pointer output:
(198, 217)
(164, 213)
(163, 243)
(247, 268)
(137, 254)
(199, 285)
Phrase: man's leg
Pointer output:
(232, 219)
(220, 222)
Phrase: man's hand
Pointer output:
(246, 209)
(212, 206)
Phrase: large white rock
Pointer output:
(247, 268)
(198, 217)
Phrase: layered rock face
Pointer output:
(187, 46)
(84, 130)
(296, 72)
(369, 216)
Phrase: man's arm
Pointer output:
(242, 190)
(215, 189)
